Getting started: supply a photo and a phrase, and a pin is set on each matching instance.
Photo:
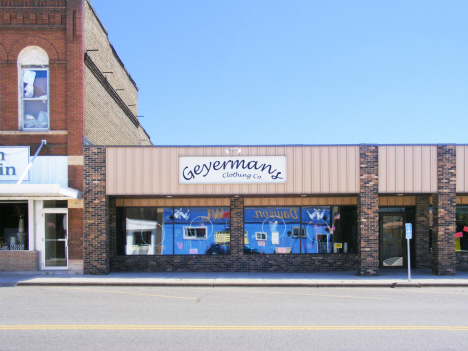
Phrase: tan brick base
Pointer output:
(19, 261)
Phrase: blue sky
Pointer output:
(258, 72)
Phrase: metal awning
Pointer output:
(15, 191)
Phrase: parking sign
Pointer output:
(409, 230)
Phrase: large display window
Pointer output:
(173, 231)
(300, 230)
(14, 226)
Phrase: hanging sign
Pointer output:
(13, 162)
(232, 170)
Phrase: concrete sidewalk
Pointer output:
(387, 278)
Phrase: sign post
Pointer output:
(409, 235)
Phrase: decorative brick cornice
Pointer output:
(33, 4)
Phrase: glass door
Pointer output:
(55, 239)
(392, 240)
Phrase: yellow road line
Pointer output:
(127, 293)
(286, 293)
(230, 327)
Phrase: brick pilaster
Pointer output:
(96, 212)
(444, 212)
(368, 211)
(237, 226)
(423, 255)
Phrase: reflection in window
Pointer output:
(35, 98)
(284, 230)
(168, 231)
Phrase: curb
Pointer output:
(188, 283)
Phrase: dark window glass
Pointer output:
(55, 204)
(14, 226)
(461, 233)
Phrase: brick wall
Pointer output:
(96, 212)
(19, 260)
(106, 122)
(41, 24)
(368, 215)
(444, 212)
(421, 237)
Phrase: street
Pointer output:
(232, 318)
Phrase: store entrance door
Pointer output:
(55, 239)
(392, 240)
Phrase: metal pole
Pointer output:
(43, 142)
(409, 261)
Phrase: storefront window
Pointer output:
(14, 226)
(306, 230)
(167, 231)
(461, 234)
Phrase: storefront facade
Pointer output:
(34, 210)
(275, 208)
(55, 98)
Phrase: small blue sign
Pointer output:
(409, 230)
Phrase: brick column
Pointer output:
(444, 212)
(421, 237)
(237, 226)
(368, 211)
(96, 212)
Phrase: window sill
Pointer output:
(34, 132)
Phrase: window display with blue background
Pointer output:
(168, 231)
(306, 230)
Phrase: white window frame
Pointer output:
(298, 232)
(261, 236)
(196, 237)
(24, 99)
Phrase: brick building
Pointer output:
(276, 208)
(61, 81)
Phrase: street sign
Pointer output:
(409, 230)
(409, 235)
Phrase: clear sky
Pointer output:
(269, 72)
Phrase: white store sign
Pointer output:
(232, 170)
(13, 162)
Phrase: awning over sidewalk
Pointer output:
(38, 190)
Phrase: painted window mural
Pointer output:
(299, 230)
(169, 231)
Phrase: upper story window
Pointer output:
(33, 79)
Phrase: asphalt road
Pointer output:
(233, 318)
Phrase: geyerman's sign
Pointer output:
(13, 162)
(232, 170)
